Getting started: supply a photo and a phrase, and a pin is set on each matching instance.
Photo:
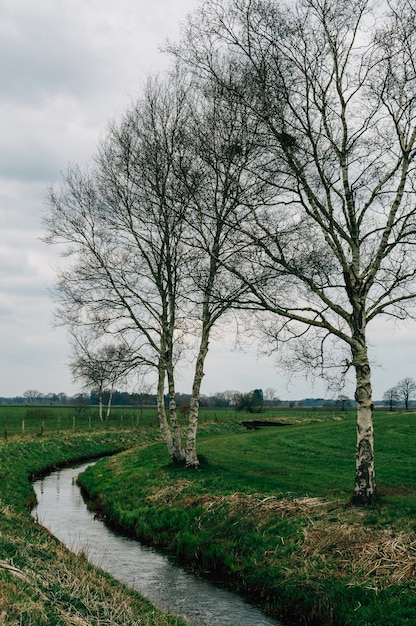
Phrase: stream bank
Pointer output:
(155, 576)
(41, 581)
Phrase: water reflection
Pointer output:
(62, 510)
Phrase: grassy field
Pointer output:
(27, 420)
(269, 512)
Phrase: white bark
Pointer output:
(191, 457)
(161, 412)
(365, 485)
(178, 454)
(110, 398)
(100, 402)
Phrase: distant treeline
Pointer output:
(218, 400)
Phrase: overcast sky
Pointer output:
(67, 68)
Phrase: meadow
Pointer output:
(38, 420)
(268, 512)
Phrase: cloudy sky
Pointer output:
(67, 68)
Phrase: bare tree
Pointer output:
(343, 402)
(121, 224)
(203, 186)
(101, 367)
(270, 395)
(405, 389)
(32, 395)
(391, 396)
(151, 232)
(138, 178)
(333, 86)
(214, 165)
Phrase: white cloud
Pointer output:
(66, 69)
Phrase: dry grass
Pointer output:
(266, 506)
(53, 586)
(167, 495)
(379, 557)
(376, 558)
(248, 503)
(14, 570)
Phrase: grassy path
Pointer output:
(269, 513)
(41, 582)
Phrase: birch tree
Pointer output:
(333, 85)
(101, 367)
(121, 224)
(406, 389)
(152, 231)
(202, 188)
(218, 151)
(391, 396)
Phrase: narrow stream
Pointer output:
(168, 586)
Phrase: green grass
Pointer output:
(269, 512)
(30, 419)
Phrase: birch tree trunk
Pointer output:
(161, 411)
(110, 398)
(191, 457)
(100, 402)
(178, 454)
(365, 485)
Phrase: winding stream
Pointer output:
(168, 586)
